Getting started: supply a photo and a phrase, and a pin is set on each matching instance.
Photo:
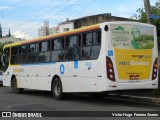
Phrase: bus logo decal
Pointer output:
(62, 69)
(75, 64)
(110, 52)
(88, 65)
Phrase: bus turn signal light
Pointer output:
(155, 69)
(110, 69)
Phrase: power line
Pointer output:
(41, 8)
(42, 14)
(82, 8)
(21, 6)
(70, 11)
(89, 4)
(53, 16)
(63, 10)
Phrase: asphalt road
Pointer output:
(32, 100)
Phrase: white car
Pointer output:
(1, 77)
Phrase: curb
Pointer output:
(144, 99)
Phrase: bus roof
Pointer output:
(92, 27)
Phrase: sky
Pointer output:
(26, 16)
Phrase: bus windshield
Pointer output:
(132, 36)
(5, 59)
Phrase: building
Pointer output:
(53, 30)
(89, 20)
(78, 23)
(46, 30)
(66, 26)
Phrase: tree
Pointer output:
(9, 33)
(141, 16)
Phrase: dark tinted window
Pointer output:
(73, 41)
(91, 38)
(44, 54)
(33, 48)
(91, 45)
(33, 57)
(58, 44)
(58, 49)
(24, 49)
(14, 55)
(73, 48)
(44, 57)
(14, 51)
(96, 37)
(90, 52)
(58, 55)
(14, 60)
(44, 46)
(23, 58)
(33, 53)
(88, 39)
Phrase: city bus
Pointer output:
(97, 59)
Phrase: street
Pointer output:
(32, 100)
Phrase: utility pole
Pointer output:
(0, 31)
(147, 10)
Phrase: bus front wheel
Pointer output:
(15, 86)
(57, 89)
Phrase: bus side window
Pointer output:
(91, 45)
(73, 48)
(57, 47)
(44, 51)
(33, 53)
(14, 55)
(23, 54)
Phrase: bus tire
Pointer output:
(15, 86)
(57, 89)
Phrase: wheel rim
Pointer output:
(57, 90)
(15, 85)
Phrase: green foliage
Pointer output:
(141, 16)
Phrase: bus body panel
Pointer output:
(122, 84)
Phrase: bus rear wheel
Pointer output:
(57, 89)
(15, 86)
